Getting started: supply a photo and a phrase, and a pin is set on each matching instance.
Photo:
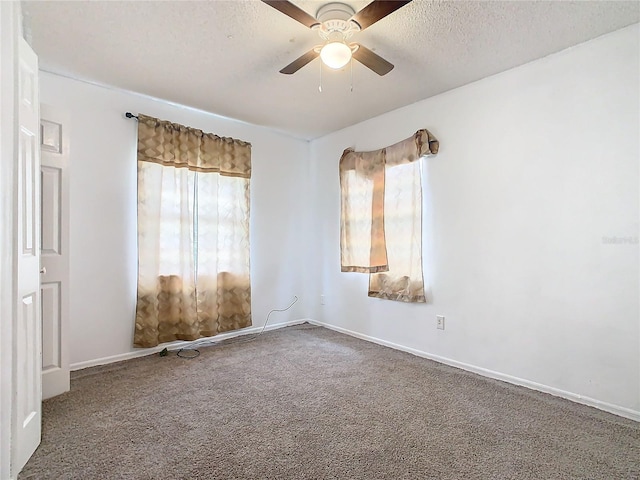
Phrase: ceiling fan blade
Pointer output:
(377, 10)
(293, 11)
(372, 60)
(300, 62)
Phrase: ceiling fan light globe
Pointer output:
(335, 55)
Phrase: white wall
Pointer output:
(103, 212)
(536, 166)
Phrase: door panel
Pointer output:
(54, 250)
(28, 365)
(51, 315)
(27, 334)
(27, 167)
(51, 209)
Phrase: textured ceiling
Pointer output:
(224, 56)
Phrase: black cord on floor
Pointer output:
(243, 339)
(195, 353)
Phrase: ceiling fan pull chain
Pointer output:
(351, 68)
(320, 87)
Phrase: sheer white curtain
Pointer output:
(381, 217)
(193, 233)
(362, 181)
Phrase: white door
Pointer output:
(54, 250)
(27, 335)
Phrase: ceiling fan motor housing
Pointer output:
(334, 20)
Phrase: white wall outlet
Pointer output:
(322, 300)
(440, 322)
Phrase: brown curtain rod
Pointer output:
(131, 115)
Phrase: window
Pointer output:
(193, 233)
(381, 217)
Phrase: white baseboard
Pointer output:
(143, 352)
(607, 407)
(591, 402)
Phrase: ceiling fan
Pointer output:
(336, 23)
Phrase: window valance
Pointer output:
(421, 144)
(172, 144)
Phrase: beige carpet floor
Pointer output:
(309, 403)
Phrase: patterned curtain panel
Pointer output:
(381, 216)
(193, 233)
(362, 178)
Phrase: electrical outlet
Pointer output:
(440, 322)
(322, 300)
